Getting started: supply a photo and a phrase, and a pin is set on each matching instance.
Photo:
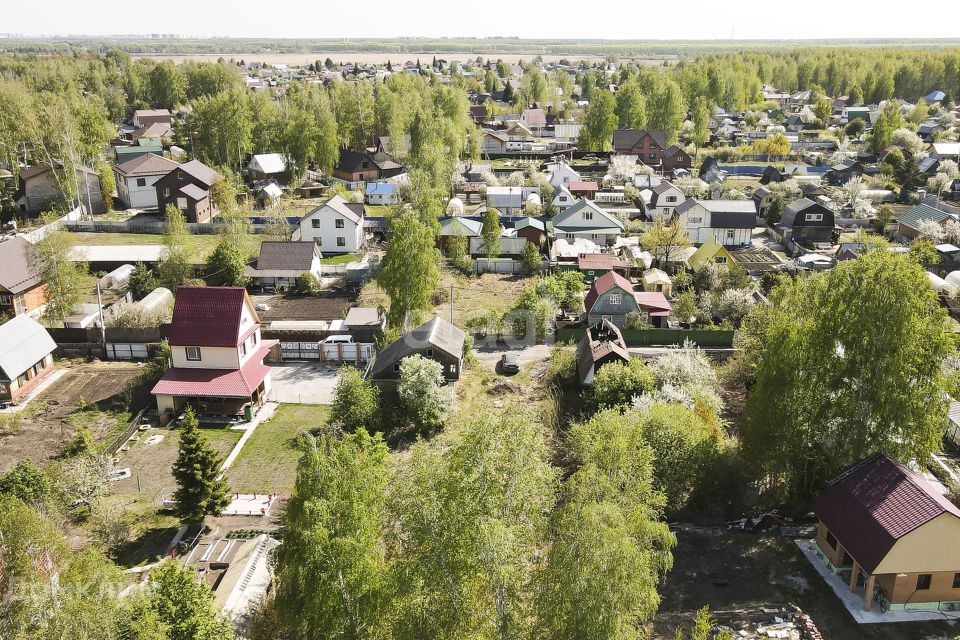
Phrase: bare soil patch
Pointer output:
(104, 389)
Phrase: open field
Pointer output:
(471, 296)
(201, 245)
(50, 420)
(761, 570)
(268, 461)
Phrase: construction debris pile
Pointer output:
(787, 622)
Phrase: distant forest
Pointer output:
(487, 46)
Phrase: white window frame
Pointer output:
(194, 350)
(616, 299)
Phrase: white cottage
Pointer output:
(336, 226)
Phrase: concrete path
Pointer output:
(854, 601)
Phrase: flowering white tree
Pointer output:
(489, 178)
(938, 182)
(623, 168)
(515, 179)
(685, 375)
(908, 140)
(853, 193)
(931, 231)
(426, 401)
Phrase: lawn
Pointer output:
(268, 461)
(340, 259)
(201, 245)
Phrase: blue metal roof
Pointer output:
(381, 188)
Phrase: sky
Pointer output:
(566, 19)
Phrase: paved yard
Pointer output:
(303, 383)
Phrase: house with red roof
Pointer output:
(891, 535)
(217, 354)
(612, 297)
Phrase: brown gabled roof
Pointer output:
(286, 256)
(604, 283)
(876, 502)
(39, 169)
(209, 317)
(16, 276)
(201, 172)
(148, 164)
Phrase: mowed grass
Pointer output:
(268, 461)
(200, 245)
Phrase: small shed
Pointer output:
(657, 280)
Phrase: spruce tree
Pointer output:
(199, 492)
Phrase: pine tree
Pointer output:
(199, 492)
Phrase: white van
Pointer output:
(341, 339)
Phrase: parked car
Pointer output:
(510, 363)
(341, 339)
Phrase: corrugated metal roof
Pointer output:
(875, 503)
(217, 383)
(269, 163)
(208, 316)
(16, 276)
(23, 343)
(437, 332)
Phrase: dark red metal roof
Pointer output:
(218, 383)
(208, 317)
(875, 503)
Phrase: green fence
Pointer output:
(657, 337)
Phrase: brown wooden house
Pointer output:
(188, 188)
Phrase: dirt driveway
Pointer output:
(303, 382)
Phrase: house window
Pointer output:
(366, 165)
(671, 198)
(588, 215)
(453, 369)
(956, 581)
(831, 540)
(570, 236)
(180, 175)
(193, 354)
(813, 217)
(594, 236)
(396, 366)
(923, 581)
(341, 241)
(730, 233)
(243, 349)
(720, 259)
(339, 223)
(166, 192)
(616, 298)
(429, 353)
(5, 299)
(315, 223)
(141, 182)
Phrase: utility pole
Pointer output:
(103, 329)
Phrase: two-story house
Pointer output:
(137, 178)
(562, 198)
(730, 222)
(664, 199)
(336, 226)
(588, 221)
(217, 354)
(807, 222)
(187, 186)
(40, 188)
(21, 290)
(612, 297)
(562, 174)
(146, 117)
(647, 144)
